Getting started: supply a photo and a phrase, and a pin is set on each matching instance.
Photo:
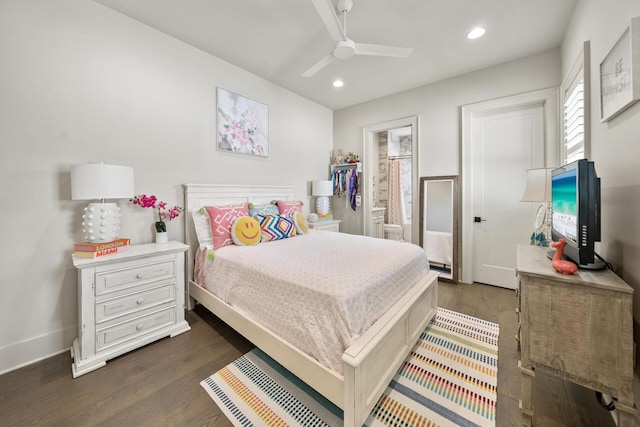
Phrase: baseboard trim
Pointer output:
(27, 352)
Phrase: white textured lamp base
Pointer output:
(101, 222)
(322, 205)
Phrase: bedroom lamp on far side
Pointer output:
(97, 181)
(322, 190)
(538, 189)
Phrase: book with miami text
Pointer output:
(100, 253)
(95, 247)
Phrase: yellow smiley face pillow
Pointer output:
(246, 231)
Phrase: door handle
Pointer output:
(478, 219)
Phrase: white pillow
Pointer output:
(203, 227)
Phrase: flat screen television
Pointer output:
(575, 204)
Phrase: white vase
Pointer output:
(162, 237)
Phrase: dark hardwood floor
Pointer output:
(158, 385)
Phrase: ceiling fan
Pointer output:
(345, 47)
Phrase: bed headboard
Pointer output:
(199, 195)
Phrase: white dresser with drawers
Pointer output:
(128, 300)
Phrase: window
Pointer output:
(576, 106)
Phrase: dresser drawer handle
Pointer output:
(140, 301)
(139, 327)
(139, 276)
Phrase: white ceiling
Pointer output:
(280, 39)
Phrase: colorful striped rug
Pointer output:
(449, 378)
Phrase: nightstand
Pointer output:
(576, 327)
(127, 300)
(332, 225)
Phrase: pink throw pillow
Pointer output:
(286, 207)
(221, 219)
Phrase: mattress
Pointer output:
(319, 291)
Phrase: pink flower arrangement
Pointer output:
(239, 135)
(164, 213)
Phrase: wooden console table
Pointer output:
(577, 327)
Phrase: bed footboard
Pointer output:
(369, 363)
(372, 361)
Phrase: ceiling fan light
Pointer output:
(475, 33)
(338, 83)
(344, 49)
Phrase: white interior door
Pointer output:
(503, 149)
(502, 143)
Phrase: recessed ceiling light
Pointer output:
(338, 83)
(475, 33)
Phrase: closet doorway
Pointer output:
(390, 177)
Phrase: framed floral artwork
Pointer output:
(243, 124)
(620, 74)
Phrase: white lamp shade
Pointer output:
(99, 181)
(322, 188)
(538, 187)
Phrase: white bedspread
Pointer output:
(439, 247)
(319, 291)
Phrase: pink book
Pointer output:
(100, 253)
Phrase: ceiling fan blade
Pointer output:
(327, 13)
(380, 50)
(319, 65)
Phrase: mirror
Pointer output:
(439, 224)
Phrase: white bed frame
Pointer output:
(372, 360)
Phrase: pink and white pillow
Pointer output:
(288, 208)
(221, 219)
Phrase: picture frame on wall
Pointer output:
(620, 74)
(243, 124)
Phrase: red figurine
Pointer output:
(560, 265)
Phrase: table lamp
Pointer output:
(538, 189)
(97, 181)
(322, 190)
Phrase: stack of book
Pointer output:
(97, 250)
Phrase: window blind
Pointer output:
(574, 123)
(576, 105)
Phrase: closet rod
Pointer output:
(406, 156)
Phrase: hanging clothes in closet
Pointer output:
(354, 188)
(346, 183)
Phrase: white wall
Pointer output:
(81, 83)
(438, 107)
(615, 148)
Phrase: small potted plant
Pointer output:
(164, 214)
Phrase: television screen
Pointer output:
(564, 194)
(575, 201)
